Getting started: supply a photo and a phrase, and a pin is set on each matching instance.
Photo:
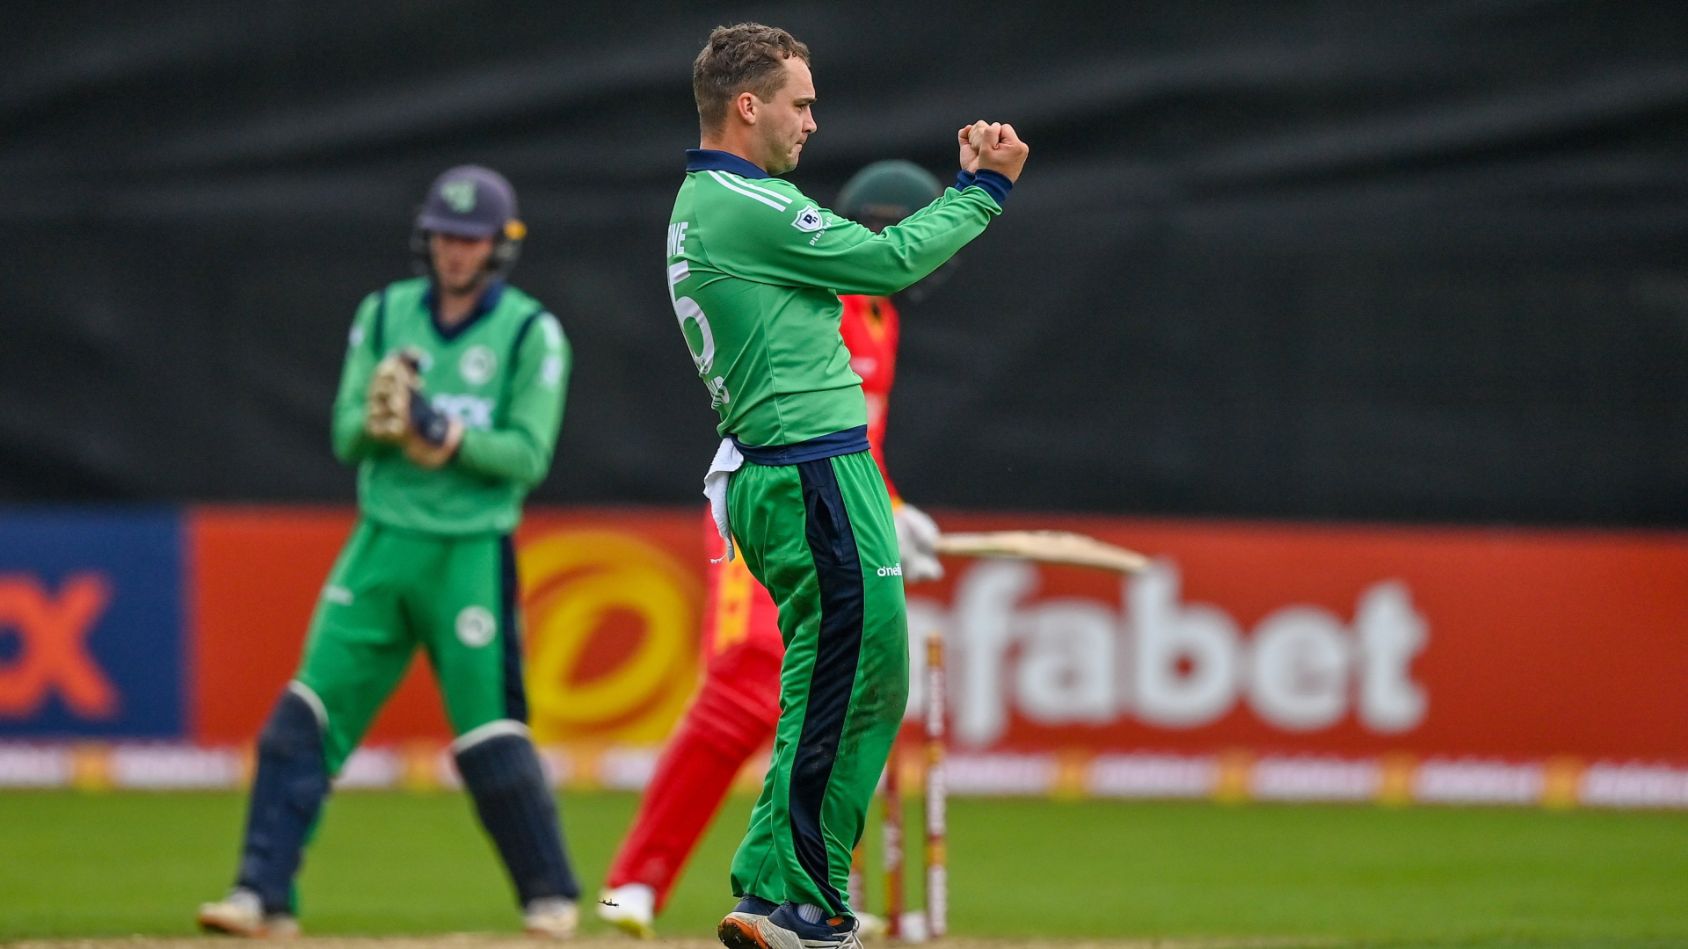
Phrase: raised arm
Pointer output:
(774, 234)
(800, 244)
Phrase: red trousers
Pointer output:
(732, 717)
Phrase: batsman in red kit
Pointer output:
(737, 708)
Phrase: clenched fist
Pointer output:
(997, 148)
(969, 154)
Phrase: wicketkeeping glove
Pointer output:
(387, 407)
(434, 435)
(430, 424)
(917, 535)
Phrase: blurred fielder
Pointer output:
(449, 405)
(754, 273)
(736, 709)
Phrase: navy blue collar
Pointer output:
(489, 299)
(708, 159)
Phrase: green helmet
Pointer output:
(885, 192)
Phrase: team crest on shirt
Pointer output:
(477, 365)
(809, 220)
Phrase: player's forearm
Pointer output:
(520, 450)
(346, 430)
(508, 454)
(350, 439)
(351, 443)
(904, 253)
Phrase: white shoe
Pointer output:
(242, 914)
(630, 908)
(552, 917)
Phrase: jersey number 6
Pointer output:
(701, 340)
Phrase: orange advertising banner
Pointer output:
(610, 598)
(1325, 640)
(1276, 638)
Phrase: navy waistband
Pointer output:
(847, 442)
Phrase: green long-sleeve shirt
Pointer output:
(502, 372)
(754, 273)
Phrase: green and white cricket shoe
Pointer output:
(552, 917)
(630, 908)
(241, 913)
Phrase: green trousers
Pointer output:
(393, 592)
(819, 536)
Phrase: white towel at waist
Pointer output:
(727, 460)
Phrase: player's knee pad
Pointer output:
(292, 728)
(291, 745)
(287, 795)
(500, 763)
(507, 783)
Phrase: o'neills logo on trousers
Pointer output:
(1171, 664)
(895, 570)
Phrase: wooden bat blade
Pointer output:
(1062, 547)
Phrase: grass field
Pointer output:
(91, 865)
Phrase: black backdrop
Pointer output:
(1402, 261)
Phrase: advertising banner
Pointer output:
(1278, 638)
(91, 625)
(1324, 640)
(1263, 661)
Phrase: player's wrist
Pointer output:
(454, 440)
(428, 423)
(994, 183)
(428, 454)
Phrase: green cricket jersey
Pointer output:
(502, 372)
(754, 273)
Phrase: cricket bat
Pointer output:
(1062, 547)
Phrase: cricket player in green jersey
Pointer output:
(449, 406)
(754, 273)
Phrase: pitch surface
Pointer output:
(1024, 873)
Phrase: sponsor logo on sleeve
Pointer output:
(809, 220)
